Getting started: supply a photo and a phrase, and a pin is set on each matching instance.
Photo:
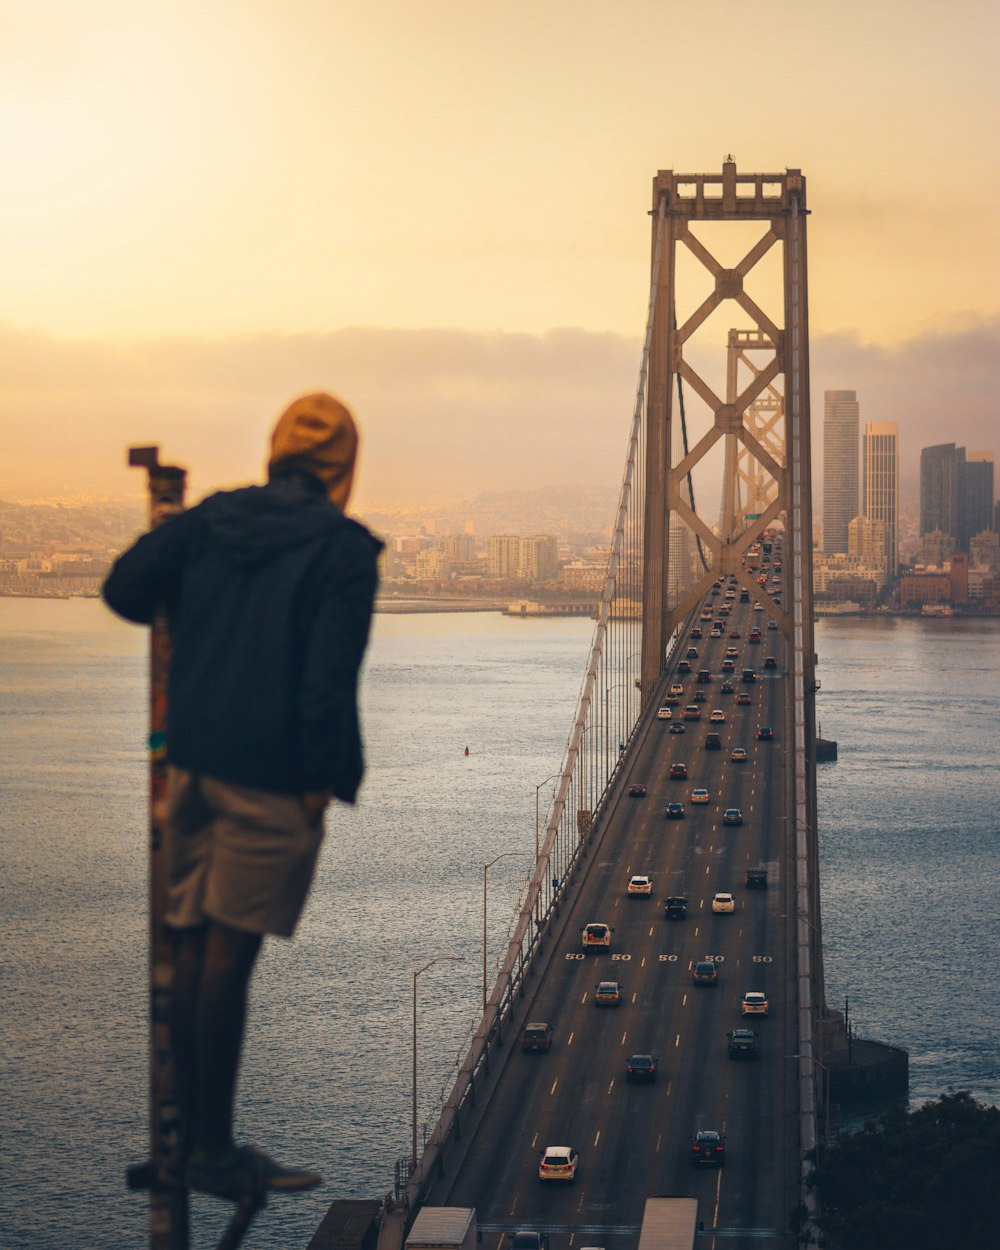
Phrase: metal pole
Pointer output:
(505, 855)
(168, 1201)
(453, 959)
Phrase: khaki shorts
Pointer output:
(241, 856)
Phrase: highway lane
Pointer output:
(634, 1140)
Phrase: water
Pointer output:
(910, 844)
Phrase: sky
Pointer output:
(439, 212)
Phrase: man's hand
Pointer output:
(314, 804)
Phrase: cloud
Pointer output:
(446, 413)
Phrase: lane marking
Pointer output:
(597, 1137)
(624, 1035)
(534, 1142)
(677, 1041)
(553, 1089)
(570, 1041)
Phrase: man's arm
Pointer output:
(146, 576)
(329, 733)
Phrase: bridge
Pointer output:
(712, 538)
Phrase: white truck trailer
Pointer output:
(443, 1228)
(669, 1224)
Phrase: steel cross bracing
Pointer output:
(748, 488)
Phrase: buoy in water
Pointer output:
(466, 750)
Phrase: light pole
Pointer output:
(453, 959)
(505, 855)
(538, 897)
(607, 760)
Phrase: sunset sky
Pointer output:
(439, 211)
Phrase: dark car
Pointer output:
(704, 676)
(713, 742)
(743, 699)
(700, 696)
(684, 666)
(675, 907)
(528, 1239)
(677, 728)
(728, 665)
(732, 816)
(674, 811)
(536, 1036)
(696, 633)
(636, 791)
(708, 1147)
(704, 973)
(641, 1068)
(678, 772)
(755, 879)
(748, 675)
(692, 653)
(727, 687)
(765, 733)
(742, 1044)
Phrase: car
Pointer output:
(765, 733)
(704, 676)
(671, 700)
(732, 816)
(732, 653)
(528, 1239)
(637, 790)
(723, 904)
(756, 879)
(639, 887)
(708, 1148)
(695, 633)
(715, 633)
(743, 699)
(674, 811)
(664, 713)
(738, 755)
(742, 1044)
(641, 1068)
(713, 742)
(558, 1163)
(772, 624)
(748, 675)
(692, 712)
(754, 635)
(675, 907)
(754, 1003)
(608, 994)
(700, 696)
(770, 661)
(744, 596)
(684, 666)
(692, 653)
(536, 1036)
(718, 716)
(676, 688)
(706, 614)
(728, 666)
(704, 972)
(727, 687)
(678, 772)
(596, 936)
(677, 728)
(734, 633)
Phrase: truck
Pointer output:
(443, 1228)
(536, 1035)
(669, 1223)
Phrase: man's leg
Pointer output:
(189, 953)
(227, 962)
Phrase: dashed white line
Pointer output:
(612, 1085)
(597, 1137)
(570, 1039)
(677, 1041)
(553, 1089)
(624, 1035)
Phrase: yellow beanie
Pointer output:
(317, 433)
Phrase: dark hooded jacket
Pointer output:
(268, 593)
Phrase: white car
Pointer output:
(718, 716)
(699, 796)
(754, 1003)
(558, 1164)
(664, 713)
(640, 887)
(723, 903)
(596, 937)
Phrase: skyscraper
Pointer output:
(841, 415)
(975, 497)
(880, 461)
(939, 489)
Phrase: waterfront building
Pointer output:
(534, 559)
(935, 547)
(939, 489)
(841, 415)
(503, 555)
(984, 550)
(866, 545)
(880, 461)
(975, 496)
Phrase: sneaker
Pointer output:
(242, 1170)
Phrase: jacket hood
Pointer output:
(256, 524)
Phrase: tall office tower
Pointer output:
(939, 489)
(840, 467)
(880, 460)
(975, 497)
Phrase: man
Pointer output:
(268, 593)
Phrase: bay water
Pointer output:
(910, 843)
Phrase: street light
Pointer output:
(453, 959)
(538, 898)
(505, 855)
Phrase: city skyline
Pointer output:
(476, 296)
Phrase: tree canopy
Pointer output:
(917, 1180)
